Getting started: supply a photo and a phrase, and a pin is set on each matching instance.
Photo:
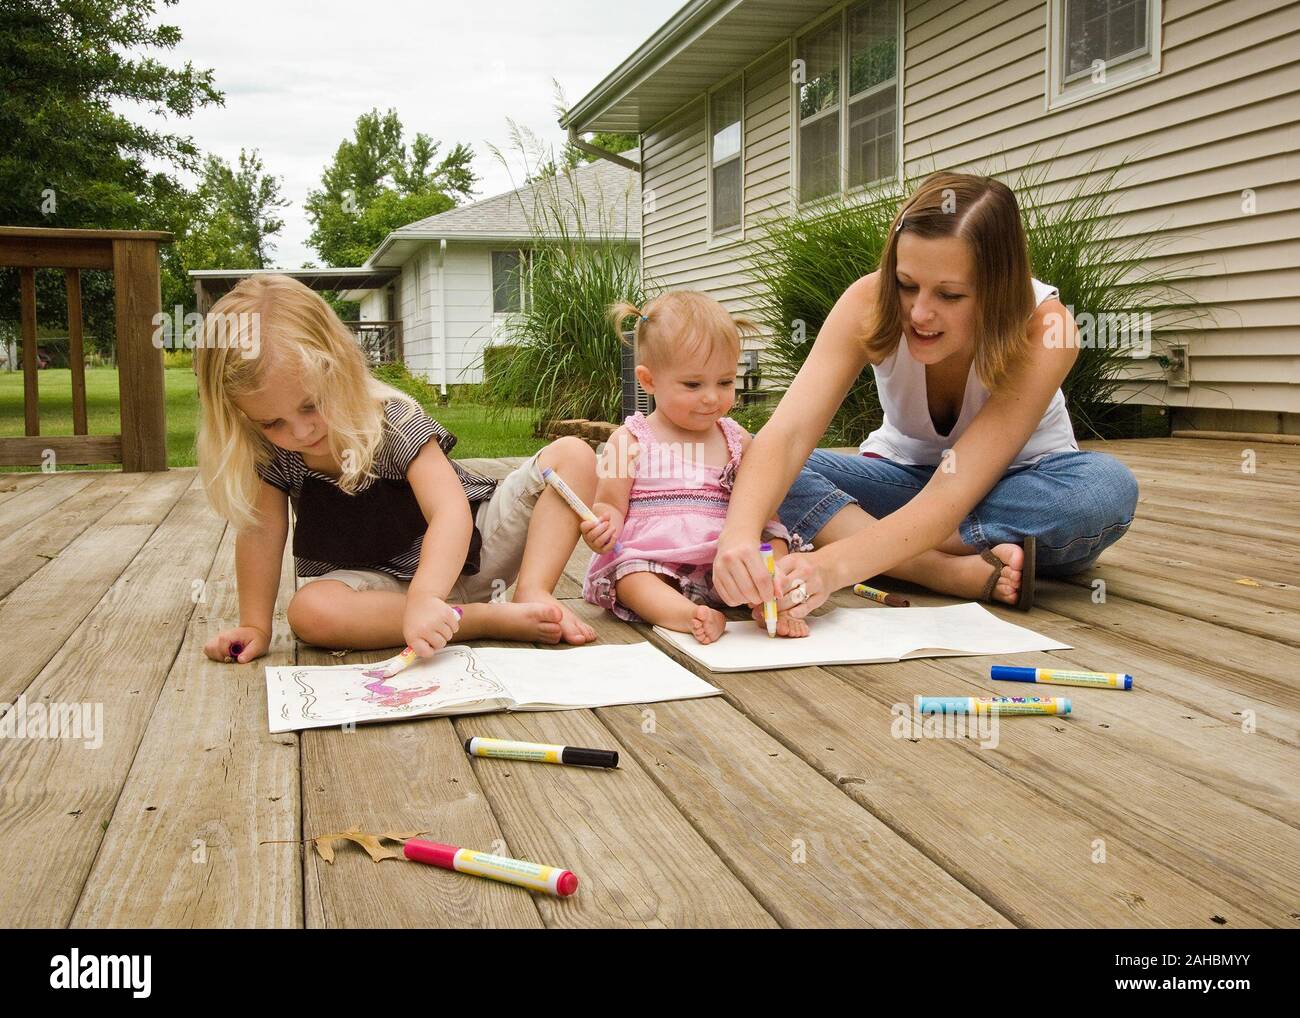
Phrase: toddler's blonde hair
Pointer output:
(681, 323)
(295, 327)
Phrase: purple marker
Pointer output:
(236, 649)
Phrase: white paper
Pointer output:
(466, 680)
(865, 636)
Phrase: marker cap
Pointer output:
(591, 757)
(435, 853)
(1011, 673)
(567, 884)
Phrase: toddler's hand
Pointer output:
(602, 533)
(250, 640)
(429, 624)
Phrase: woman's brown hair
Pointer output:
(983, 212)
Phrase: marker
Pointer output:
(505, 749)
(575, 503)
(769, 607)
(992, 705)
(880, 597)
(534, 876)
(236, 649)
(1106, 680)
(393, 665)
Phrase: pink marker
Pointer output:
(531, 875)
(403, 660)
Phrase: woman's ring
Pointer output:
(799, 592)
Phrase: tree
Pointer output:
(374, 185)
(68, 158)
(236, 215)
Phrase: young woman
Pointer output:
(974, 482)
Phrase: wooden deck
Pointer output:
(786, 803)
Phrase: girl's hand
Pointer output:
(254, 642)
(429, 624)
(602, 533)
(739, 575)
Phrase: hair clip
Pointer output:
(899, 227)
(645, 318)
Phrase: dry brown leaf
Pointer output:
(370, 842)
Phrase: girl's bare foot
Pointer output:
(506, 620)
(707, 624)
(572, 629)
(786, 625)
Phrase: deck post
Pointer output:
(138, 297)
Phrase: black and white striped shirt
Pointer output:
(408, 429)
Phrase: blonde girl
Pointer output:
(389, 532)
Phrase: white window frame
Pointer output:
(842, 110)
(730, 234)
(525, 270)
(1122, 73)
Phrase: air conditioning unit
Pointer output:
(634, 398)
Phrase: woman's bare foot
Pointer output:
(507, 620)
(707, 624)
(572, 629)
(972, 573)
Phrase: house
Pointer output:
(460, 275)
(744, 111)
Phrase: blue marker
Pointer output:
(1105, 680)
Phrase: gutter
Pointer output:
(442, 307)
(601, 153)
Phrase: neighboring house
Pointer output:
(744, 110)
(463, 273)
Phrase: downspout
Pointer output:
(599, 153)
(442, 307)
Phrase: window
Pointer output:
(507, 282)
(854, 112)
(726, 108)
(1097, 45)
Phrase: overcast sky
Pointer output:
(297, 75)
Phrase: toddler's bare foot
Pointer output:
(707, 624)
(572, 628)
(506, 620)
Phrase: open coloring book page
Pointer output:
(866, 636)
(467, 680)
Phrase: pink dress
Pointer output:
(675, 514)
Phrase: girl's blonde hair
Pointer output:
(681, 324)
(983, 212)
(273, 320)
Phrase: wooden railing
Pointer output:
(132, 257)
(381, 341)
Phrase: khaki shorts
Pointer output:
(502, 520)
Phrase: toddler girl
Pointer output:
(665, 480)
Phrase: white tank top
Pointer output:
(908, 434)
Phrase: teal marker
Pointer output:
(992, 705)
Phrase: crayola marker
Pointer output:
(1056, 677)
(992, 705)
(506, 749)
(575, 503)
(531, 875)
(769, 607)
(393, 665)
(880, 597)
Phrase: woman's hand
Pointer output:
(739, 574)
(253, 643)
(602, 533)
(806, 570)
(429, 624)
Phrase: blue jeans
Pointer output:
(1075, 504)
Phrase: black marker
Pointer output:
(540, 752)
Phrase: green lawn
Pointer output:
(482, 432)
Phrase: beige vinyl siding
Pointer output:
(676, 249)
(1222, 116)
